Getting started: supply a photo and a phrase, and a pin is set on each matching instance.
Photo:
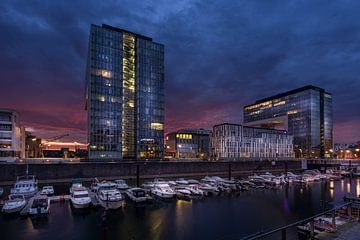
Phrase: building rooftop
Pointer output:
(235, 124)
(297, 90)
(123, 30)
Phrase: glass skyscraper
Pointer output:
(306, 113)
(124, 95)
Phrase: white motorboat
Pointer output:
(193, 181)
(209, 189)
(121, 185)
(162, 190)
(148, 185)
(182, 181)
(15, 203)
(172, 183)
(182, 192)
(80, 197)
(47, 190)
(195, 190)
(40, 205)
(109, 196)
(75, 184)
(25, 185)
(138, 195)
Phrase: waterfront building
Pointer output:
(234, 141)
(32, 146)
(124, 95)
(306, 113)
(12, 136)
(188, 144)
(347, 150)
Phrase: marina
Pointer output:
(174, 203)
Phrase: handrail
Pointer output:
(251, 237)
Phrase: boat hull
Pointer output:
(80, 205)
(13, 210)
(112, 204)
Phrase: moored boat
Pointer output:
(47, 190)
(25, 185)
(162, 190)
(138, 195)
(75, 184)
(80, 197)
(15, 203)
(121, 185)
(109, 196)
(40, 205)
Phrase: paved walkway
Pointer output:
(350, 231)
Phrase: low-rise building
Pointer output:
(32, 146)
(12, 136)
(234, 141)
(188, 144)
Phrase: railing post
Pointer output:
(349, 211)
(137, 175)
(312, 229)
(283, 234)
(229, 171)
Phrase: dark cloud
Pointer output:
(220, 56)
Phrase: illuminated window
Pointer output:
(101, 98)
(106, 74)
(157, 126)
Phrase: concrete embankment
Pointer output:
(53, 173)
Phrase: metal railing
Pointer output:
(283, 230)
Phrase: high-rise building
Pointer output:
(12, 136)
(234, 141)
(188, 144)
(306, 113)
(124, 95)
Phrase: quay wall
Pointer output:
(64, 172)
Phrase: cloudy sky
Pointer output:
(220, 56)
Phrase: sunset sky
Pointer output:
(219, 56)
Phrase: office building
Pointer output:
(234, 141)
(12, 136)
(306, 113)
(124, 95)
(188, 144)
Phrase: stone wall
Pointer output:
(128, 170)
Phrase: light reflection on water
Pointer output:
(209, 218)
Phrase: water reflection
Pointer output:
(210, 218)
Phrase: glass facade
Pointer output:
(124, 95)
(305, 112)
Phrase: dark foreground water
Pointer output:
(222, 217)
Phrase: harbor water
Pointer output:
(229, 216)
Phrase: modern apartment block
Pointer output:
(124, 95)
(306, 113)
(234, 141)
(188, 144)
(12, 136)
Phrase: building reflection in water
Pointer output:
(342, 185)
